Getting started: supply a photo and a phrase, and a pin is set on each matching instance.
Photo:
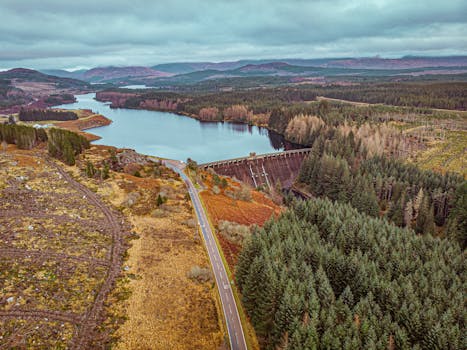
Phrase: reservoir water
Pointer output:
(173, 136)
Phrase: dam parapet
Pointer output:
(262, 170)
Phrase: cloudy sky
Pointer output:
(87, 33)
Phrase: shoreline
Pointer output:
(77, 126)
(87, 122)
(193, 116)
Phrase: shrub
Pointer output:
(200, 274)
(234, 232)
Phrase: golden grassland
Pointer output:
(165, 309)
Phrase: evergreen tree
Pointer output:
(396, 289)
(396, 212)
(425, 221)
(457, 225)
(408, 214)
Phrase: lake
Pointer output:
(173, 136)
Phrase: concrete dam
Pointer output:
(262, 170)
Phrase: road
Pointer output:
(232, 318)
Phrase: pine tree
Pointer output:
(68, 154)
(267, 302)
(251, 248)
(347, 297)
(90, 170)
(294, 266)
(457, 223)
(252, 288)
(418, 202)
(396, 212)
(408, 214)
(323, 288)
(425, 221)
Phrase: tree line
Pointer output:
(66, 145)
(29, 115)
(445, 95)
(412, 97)
(325, 276)
(24, 137)
(61, 144)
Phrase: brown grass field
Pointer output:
(59, 246)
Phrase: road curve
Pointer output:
(232, 318)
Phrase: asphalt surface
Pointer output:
(232, 318)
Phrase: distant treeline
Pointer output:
(62, 144)
(335, 114)
(444, 95)
(450, 95)
(46, 114)
(57, 99)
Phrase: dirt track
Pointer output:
(44, 254)
(86, 324)
(94, 315)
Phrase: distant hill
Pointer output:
(23, 75)
(190, 67)
(109, 74)
(179, 68)
(77, 74)
(179, 73)
(398, 63)
(283, 69)
(350, 63)
(30, 89)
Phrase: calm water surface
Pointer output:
(173, 136)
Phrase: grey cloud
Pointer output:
(57, 33)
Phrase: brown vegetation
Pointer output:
(57, 256)
(230, 204)
(61, 252)
(301, 126)
(209, 114)
(167, 309)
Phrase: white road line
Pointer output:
(226, 294)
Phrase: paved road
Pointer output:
(232, 318)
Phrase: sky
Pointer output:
(76, 34)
